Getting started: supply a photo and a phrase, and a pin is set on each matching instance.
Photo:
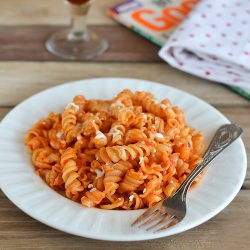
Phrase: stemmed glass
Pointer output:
(77, 42)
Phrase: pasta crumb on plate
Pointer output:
(126, 153)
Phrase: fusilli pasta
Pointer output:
(126, 153)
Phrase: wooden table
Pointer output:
(26, 68)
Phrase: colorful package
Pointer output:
(153, 19)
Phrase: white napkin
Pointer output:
(214, 42)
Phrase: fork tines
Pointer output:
(154, 214)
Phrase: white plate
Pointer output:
(26, 190)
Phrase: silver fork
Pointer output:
(172, 210)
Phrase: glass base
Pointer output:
(76, 47)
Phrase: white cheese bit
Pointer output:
(73, 105)
(78, 125)
(156, 101)
(116, 134)
(116, 138)
(100, 135)
(143, 142)
(141, 160)
(163, 106)
(99, 173)
(119, 199)
(153, 127)
(159, 135)
(89, 203)
(144, 190)
(118, 103)
(144, 115)
(114, 131)
(110, 164)
(90, 185)
(92, 190)
(59, 135)
(123, 152)
(79, 137)
(131, 197)
(154, 150)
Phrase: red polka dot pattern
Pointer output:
(214, 42)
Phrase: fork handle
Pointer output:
(223, 137)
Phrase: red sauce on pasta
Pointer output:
(129, 152)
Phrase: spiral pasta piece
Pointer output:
(92, 123)
(134, 201)
(69, 174)
(45, 158)
(92, 198)
(121, 108)
(198, 144)
(56, 139)
(152, 199)
(69, 122)
(149, 104)
(115, 204)
(125, 97)
(171, 187)
(129, 152)
(53, 177)
(134, 136)
(100, 140)
(36, 143)
(131, 181)
(117, 132)
(117, 153)
(153, 186)
(36, 137)
(98, 106)
(113, 175)
(81, 102)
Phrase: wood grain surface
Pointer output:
(228, 230)
(27, 78)
(27, 68)
(27, 43)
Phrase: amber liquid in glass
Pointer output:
(78, 1)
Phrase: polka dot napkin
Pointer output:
(214, 43)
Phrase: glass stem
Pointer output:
(79, 27)
(79, 30)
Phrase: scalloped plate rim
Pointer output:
(140, 236)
